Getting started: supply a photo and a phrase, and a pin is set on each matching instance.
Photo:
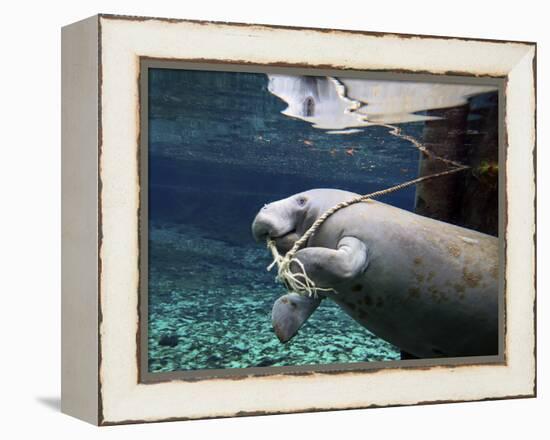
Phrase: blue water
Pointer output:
(219, 149)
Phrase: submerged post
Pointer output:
(468, 199)
(440, 199)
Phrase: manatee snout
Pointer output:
(263, 226)
(275, 222)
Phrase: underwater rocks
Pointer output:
(268, 362)
(210, 308)
(168, 340)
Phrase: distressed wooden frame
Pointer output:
(101, 62)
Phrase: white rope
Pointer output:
(298, 281)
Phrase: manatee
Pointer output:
(426, 286)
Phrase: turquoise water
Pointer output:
(219, 149)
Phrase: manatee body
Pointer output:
(428, 287)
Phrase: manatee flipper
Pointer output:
(327, 267)
(290, 312)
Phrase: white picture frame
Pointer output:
(101, 201)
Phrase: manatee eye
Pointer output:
(302, 201)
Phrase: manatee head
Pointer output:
(286, 220)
